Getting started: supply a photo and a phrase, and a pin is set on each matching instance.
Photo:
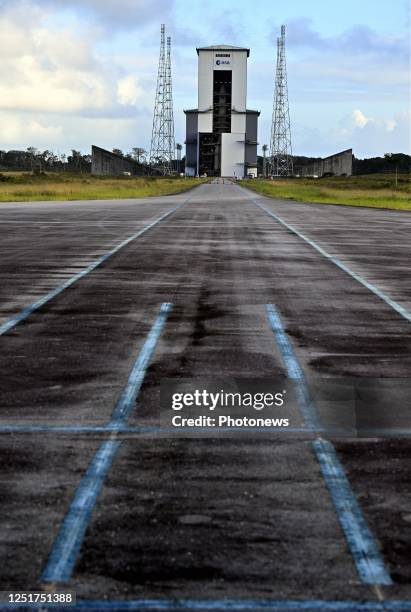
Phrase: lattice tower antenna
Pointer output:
(162, 135)
(281, 160)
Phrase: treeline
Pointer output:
(391, 162)
(32, 160)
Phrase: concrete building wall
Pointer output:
(251, 143)
(238, 122)
(205, 122)
(239, 84)
(205, 80)
(232, 155)
(338, 165)
(106, 163)
(191, 143)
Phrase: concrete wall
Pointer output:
(205, 80)
(107, 163)
(338, 164)
(232, 155)
(239, 83)
(191, 143)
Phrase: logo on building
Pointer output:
(222, 59)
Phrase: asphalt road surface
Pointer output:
(218, 284)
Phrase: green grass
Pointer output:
(375, 191)
(19, 187)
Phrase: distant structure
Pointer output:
(281, 161)
(221, 134)
(106, 163)
(339, 164)
(162, 136)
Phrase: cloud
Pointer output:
(359, 119)
(58, 70)
(360, 41)
(20, 129)
(118, 14)
(128, 91)
(374, 135)
(368, 136)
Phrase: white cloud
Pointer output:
(112, 14)
(369, 136)
(128, 91)
(58, 70)
(359, 118)
(18, 129)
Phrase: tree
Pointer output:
(32, 152)
(118, 152)
(139, 154)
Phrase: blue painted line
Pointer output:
(70, 536)
(71, 533)
(20, 428)
(75, 429)
(401, 310)
(294, 370)
(128, 397)
(228, 604)
(26, 312)
(69, 429)
(364, 549)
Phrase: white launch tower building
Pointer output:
(221, 134)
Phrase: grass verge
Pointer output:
(24, 187)
(374, 191)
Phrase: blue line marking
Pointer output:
(32, 428)
(128, 397)
(70, 536)
(227, 604)
(71, 533)
(383, 296)
(294, 370)
(23, 314)
(364, 549)
(20, 428)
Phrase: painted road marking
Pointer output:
(71, 533)
(108, 429)
(363, 547)
(383, 296)
(228, 604)
(294, 370)
(127, 399)
(70, 536)
(26, 312)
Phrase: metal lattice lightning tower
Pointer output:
(281, 161)
(162, 136)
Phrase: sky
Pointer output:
(79, 72)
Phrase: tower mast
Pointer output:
(162, 135)
(281, 160)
